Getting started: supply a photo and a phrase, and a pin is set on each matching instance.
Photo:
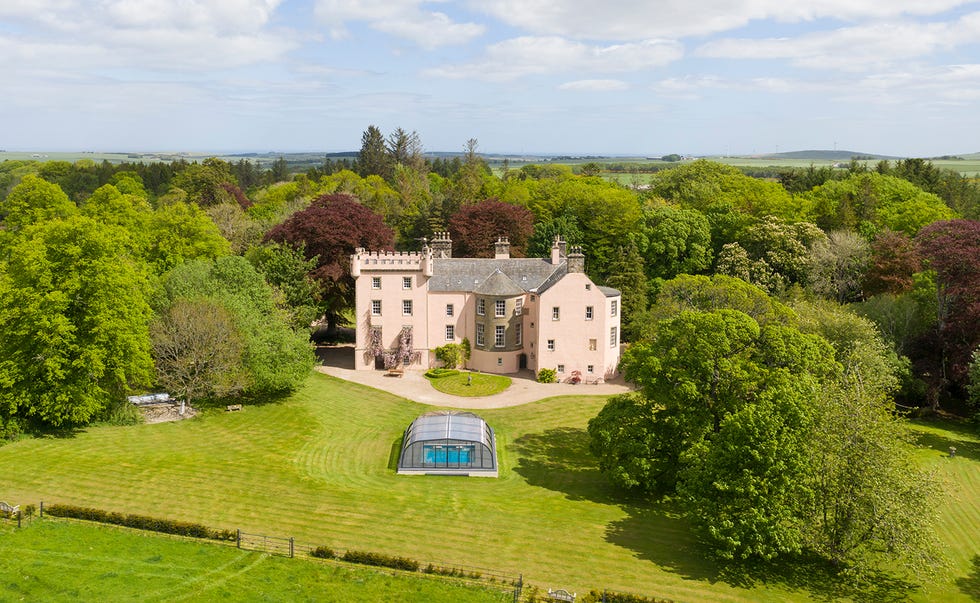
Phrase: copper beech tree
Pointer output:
(329, 230)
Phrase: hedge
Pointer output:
(381, 560)
(595, 596)
(140, 522)
(438, 373)
(322, 552)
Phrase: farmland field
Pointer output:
(75, 561)
(320, 467)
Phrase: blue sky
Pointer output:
(644, 77)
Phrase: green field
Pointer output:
(320, 467)
(74, 561)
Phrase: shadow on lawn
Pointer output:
(658, 533)
(970, 585)
(966, 445)
(559, 460)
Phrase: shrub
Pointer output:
(29, 511)
(381, 560)
(123, 413)
(10, 428)
(322, 552)
(438, 373)
(595, 596)
(546, 375)
(451, 355)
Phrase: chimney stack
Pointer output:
(501, 249)
(557, 250)
(442, 245)
(576, 260)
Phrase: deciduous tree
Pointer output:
(198, 350)
(475, 228)
(329, 230)
(73, 321)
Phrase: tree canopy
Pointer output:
(329, 230)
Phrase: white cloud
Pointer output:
(643, 19)
(858, 48)
(595, 86)
(142, 34)
(403, 18)
(519, 57)
(922, 86)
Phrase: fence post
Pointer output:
(518, 588)
(238, 538)
(19, 514)
(42, 509)
(291, 547)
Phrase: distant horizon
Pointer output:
(583, 155)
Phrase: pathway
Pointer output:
(414, 386)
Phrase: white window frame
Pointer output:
(590, 368)
(555, 313)
(450, 311)
(614, 307)
(589, 312)
(518, 305)
(560, 368)
(499, 308)
(518, 334)
(407, 307)
(450, 332)
(406, 282)
(375, 305)
(613, 337)
(499, 336)
(593, 344)
(480, 335)
(481, 307)
(551, 345)
(375, 282)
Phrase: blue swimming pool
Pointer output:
(447, 455)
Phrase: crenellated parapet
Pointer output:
(389, 260)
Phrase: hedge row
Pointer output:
(452, 572)
(381, 560)
(140, 522)
(595, 596)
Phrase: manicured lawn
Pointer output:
(320, 467)
(471, 384)
(69, 561)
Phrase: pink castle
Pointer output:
(517, 313)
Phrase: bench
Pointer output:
(395, 372)
(233, 407)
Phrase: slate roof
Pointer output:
(499, 284)
(609, 291)
(472, 275)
